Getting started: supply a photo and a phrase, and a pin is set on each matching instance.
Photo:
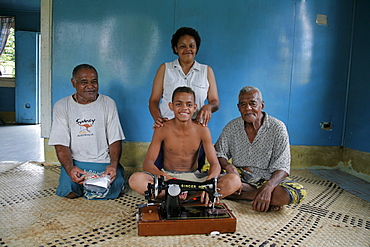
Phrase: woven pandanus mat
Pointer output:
(32, 215)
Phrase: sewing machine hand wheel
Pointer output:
(156, 186)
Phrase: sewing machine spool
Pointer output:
(194, 219)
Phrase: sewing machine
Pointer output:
(173, 216)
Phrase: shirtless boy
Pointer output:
(182, 139)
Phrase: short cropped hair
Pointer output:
(183, 90)
(184, 31)
(251, 88)
(82, 66)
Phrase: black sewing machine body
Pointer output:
(171, 206)
(173, 216)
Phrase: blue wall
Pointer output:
(358, 116)
(7, 95)
(319, 72)
(24, 20)
(300, 67)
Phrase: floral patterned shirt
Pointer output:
(269, 151)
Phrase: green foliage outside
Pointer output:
(7, 59)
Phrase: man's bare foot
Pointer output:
(275, 208)
(72, 195)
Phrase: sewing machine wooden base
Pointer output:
(150, 222)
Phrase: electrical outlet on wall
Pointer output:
(326, 125)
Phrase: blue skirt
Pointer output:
(66, 185)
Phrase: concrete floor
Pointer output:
(21, 143)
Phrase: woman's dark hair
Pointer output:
(184, 31)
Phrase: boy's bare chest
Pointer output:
(184, 143)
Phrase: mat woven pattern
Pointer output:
(32, 215)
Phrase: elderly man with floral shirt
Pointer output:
(258, 147)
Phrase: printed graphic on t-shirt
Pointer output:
(86, 127)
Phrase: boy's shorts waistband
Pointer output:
(179, 172)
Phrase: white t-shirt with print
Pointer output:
(88, 129)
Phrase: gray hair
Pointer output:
(251, 88)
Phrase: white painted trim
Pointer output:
(45, 67)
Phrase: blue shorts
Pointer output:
(66, 185)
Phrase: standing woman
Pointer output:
(184, 71)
